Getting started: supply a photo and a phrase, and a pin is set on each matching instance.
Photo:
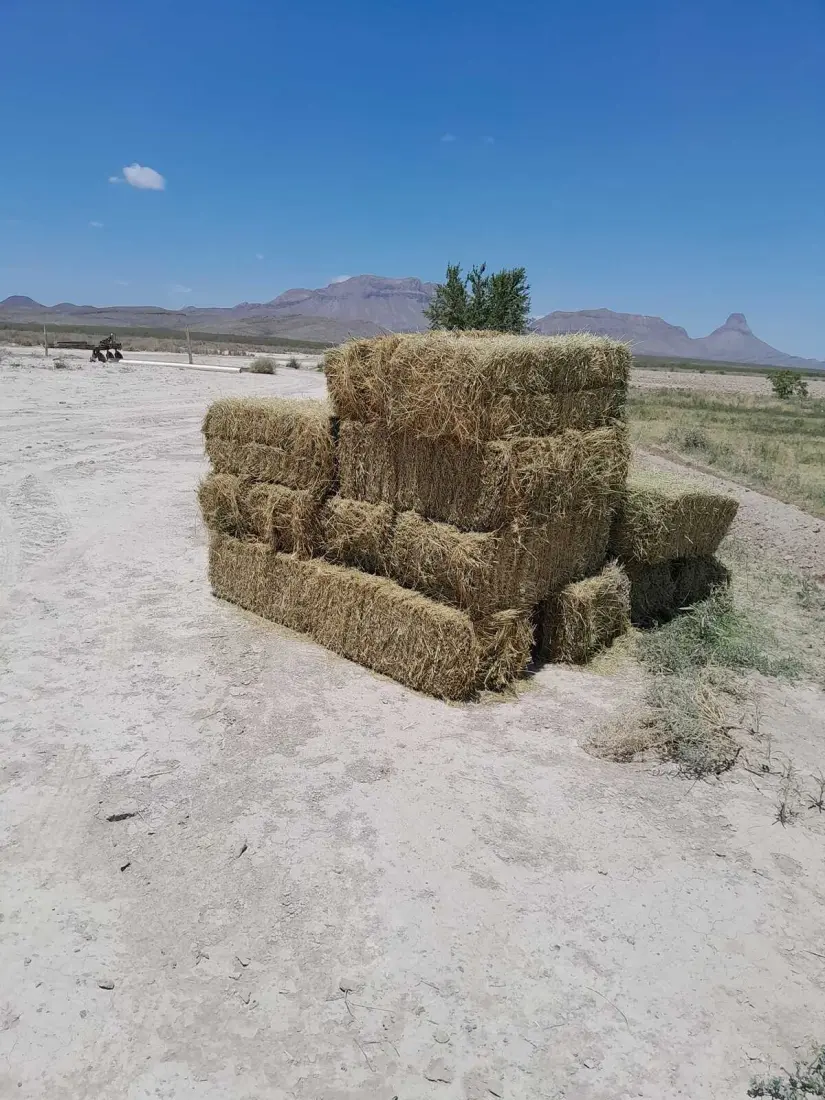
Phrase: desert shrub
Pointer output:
(293, 363)
(802, 1082)
(787, 384)
(694, 439)
(262, 365)
(60, 364)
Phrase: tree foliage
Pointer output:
(499, 301)
(788, 383)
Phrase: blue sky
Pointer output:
(655, 156)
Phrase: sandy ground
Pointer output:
(329, 887)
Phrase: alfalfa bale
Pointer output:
(661, 517)
(473, 387)
(529, 480)
(487, 572)
(286, 519)
(584, 617)
(357, 533)
(417, 641)
(660, 591)
(273, 439)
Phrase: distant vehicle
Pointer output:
(106, 349)
(110, 346)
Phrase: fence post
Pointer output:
(45, 341)
(189, 345)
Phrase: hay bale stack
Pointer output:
(423, 644)
(666, 532)
(585, 617)
(483, 572)
(662, 518)
(473, 388)
(531, 479)
(356, 533)
(285, 519)
(456, 482)
(273, 439)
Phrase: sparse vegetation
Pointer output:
(293, 363)
(767, 444)
(769, 623)
(804, 1081)
(262, 365)
(787, 384)
(500, 301)
(60, 364)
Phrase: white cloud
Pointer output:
(145, 179)
(447, 138)
(341, 278)
(96, 225)
(488, 140)
(116, 179)
(121, 282)
(178, 288)
(259, 255)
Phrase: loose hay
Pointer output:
(582, 618)
(372, 620)
(529, 480)
(272, 439)
(357, 533)
(661, 518)
(285, 519)
(660, 591)
(473, 387)
(486, 572)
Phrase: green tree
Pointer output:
(480, 301)
(786, 383)
(448, 309)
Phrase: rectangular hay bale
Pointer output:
(372, 620)
(529, 480)
(661, 517)
(475, 387)
(354, 532)
(280, 440)
(485, 572)
(660, 591)
(285, 519)
(582, 618)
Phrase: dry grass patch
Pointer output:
(474, 387)
(774, 445)
(369, 619)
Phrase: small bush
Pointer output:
(803, 1082)
(60, 364)
(293, 363)
(787, 384)
(694, 439)
(262, 365)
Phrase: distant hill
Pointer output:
(365, 305)
(732, 342)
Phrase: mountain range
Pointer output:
(365, 305)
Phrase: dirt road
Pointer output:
(235, 866)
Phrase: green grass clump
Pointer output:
(767, 443)
(803, 1082)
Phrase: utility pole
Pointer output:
(45, 341)
(189, 345)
